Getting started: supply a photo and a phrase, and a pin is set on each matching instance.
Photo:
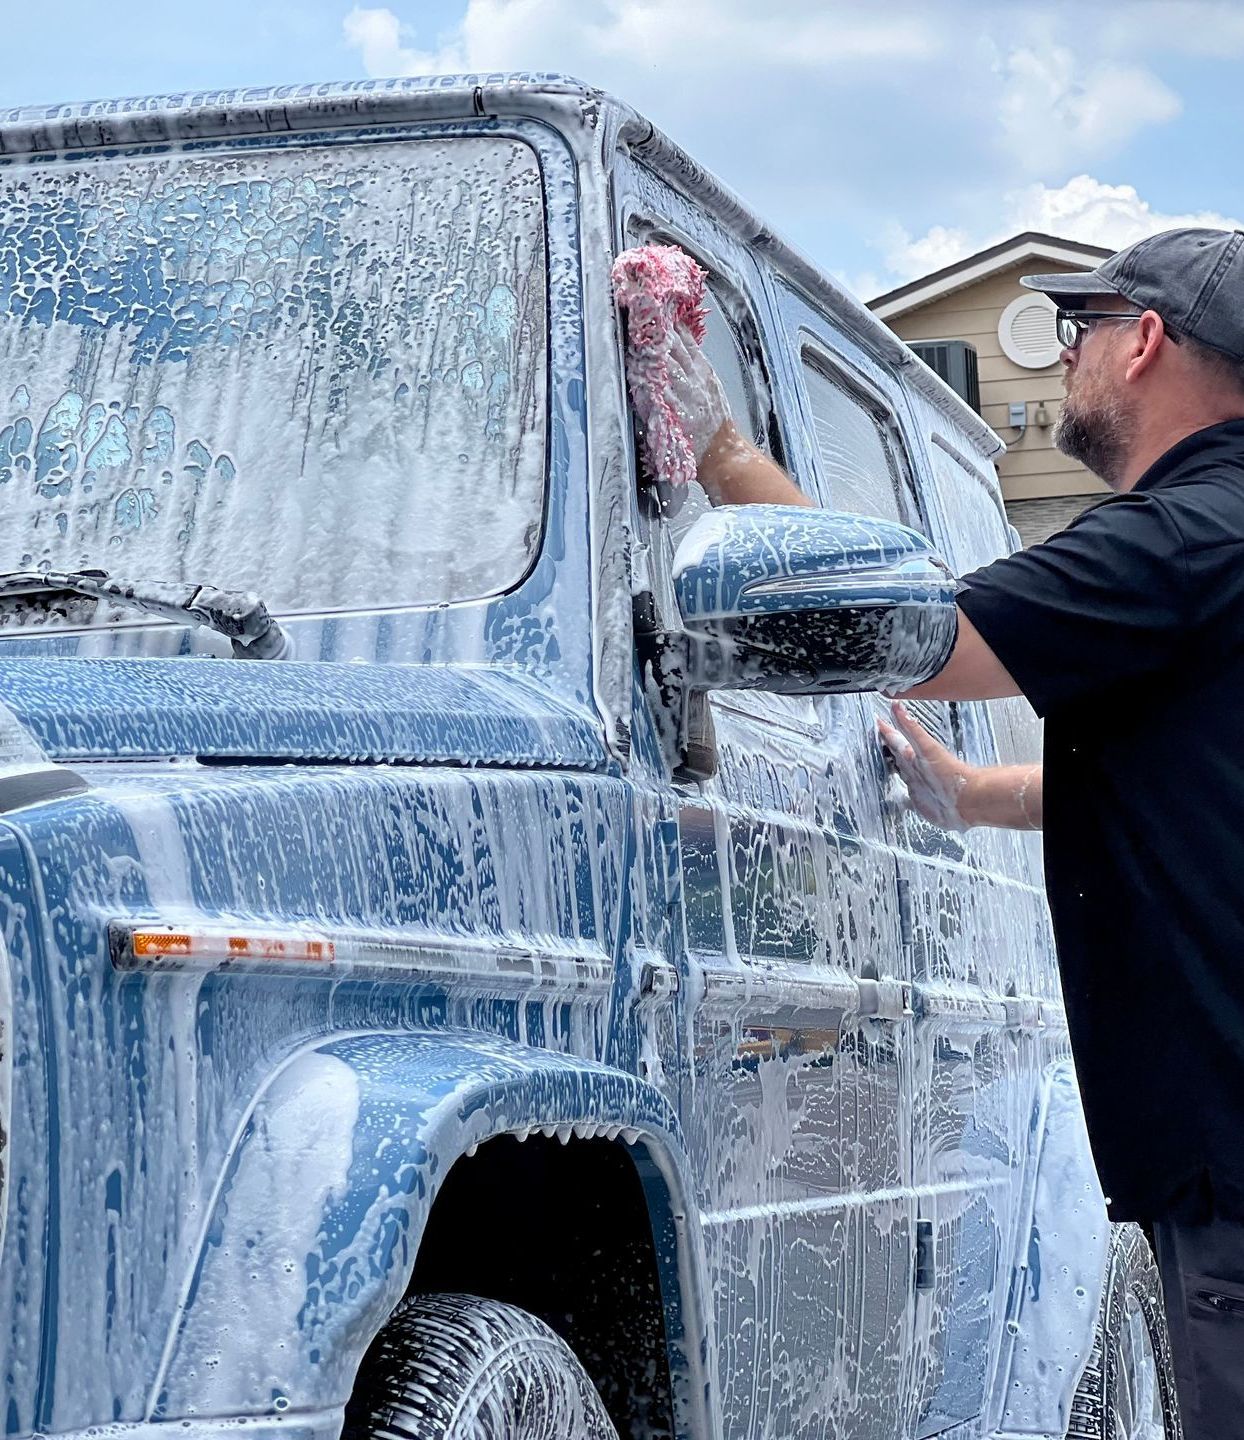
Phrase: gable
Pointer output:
(1025, 254)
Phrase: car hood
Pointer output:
(121, 708)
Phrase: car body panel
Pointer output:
(358, 1128)
(144, 709)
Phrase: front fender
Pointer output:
(316, 1222)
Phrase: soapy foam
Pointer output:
(311, 371)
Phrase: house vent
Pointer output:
(1027, 332)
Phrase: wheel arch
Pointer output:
(316, 1227)
(1057, 1272)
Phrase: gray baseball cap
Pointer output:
(1194, 279)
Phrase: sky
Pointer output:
(884, 138)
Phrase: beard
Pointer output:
(1095, 434)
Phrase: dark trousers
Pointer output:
(1202, 1268)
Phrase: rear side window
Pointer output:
(857, 465)
(978, 534)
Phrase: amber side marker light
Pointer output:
(406, 956)
(154, 945)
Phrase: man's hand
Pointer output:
(732, 470)
(696, 393)
(936, 779)
(953, 794)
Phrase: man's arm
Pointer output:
(953, 794)
(973, 672)
(731, 469)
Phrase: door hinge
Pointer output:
(657, 978)
(884, 1000)
(926, 1255)
(906, 917)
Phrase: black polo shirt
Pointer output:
(1126, 632)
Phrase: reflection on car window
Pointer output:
(857, 467)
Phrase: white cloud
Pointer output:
(938, 246)
(839, 126)
(1053, 112)
(377, 35)
(1113, 215)
(1046, 105)
(1083, 209)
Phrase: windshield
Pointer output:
(316, 373)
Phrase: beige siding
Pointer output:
(1037, 520)
(1031, 468)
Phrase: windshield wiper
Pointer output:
(239, 615)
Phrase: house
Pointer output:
(979, 300)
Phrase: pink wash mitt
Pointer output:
(659, 287)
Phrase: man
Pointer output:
(1126, 632)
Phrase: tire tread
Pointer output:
(426, 1357)
(1130, 1269)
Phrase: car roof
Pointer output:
(284, 110)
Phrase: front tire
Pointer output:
(456, 1367)
(1127, 1391)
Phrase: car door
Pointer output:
(971, 1054)
(794, 1113)
(983, 963)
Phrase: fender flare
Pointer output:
(1051, 1316)
(316, 1223)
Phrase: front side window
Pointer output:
(747, 394)
(311, 373)
(745, 389)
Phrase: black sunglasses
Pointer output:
(1073, 325)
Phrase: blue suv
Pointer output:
(465, 969)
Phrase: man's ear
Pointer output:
(1144, 345)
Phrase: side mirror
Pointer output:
(811, 602)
